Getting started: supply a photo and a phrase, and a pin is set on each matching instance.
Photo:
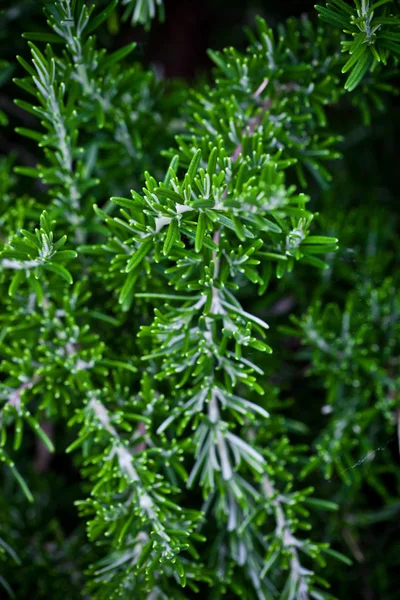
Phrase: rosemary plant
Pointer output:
(145, 336)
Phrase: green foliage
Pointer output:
(85, 106)
(354, 351)
(375, 33)
(143, 11)
(34, 253)
(145, 341)
(278, 89)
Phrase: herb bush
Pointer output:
(199, 333)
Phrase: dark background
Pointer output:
(191, 27)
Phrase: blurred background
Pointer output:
(191, 27)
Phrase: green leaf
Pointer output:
(45, 37)
(26, 66)
(391, 46)
(334, 18)
(119, 55)
(58, 270)
(60, 243)
(16, 282)
(45, 223)
(98, 20)
(139, 255)
(212, 162)
(10, 551)
(380, 3)
(125, 202)
(354, 58)
(29, 133)
(64, 255)
(173, 168)
(194, 165)
(338, 555)
(40, 433)
(315, 262)
(21, 481)
(321, 504)
(344, 6)
(167, 193)
(358, 71)
(171, 236)
(28, 172)
(200, 232)
(386, 21)
(320, 239)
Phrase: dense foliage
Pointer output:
(199, 310)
